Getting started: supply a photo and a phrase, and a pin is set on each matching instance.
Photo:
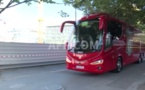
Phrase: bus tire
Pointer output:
(140, 59)
(119, 65)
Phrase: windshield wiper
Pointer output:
(71, 49)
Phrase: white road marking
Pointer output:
(14, 86)
(58, 70)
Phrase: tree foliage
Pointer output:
(12, 3)
(131, 11)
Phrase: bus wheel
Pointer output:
(140, 58)
(119, 65)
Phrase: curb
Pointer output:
(12, 66)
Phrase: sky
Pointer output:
(27, 16)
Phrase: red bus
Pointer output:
(100, 43)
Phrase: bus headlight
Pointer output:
(68, 60)
(97, 62)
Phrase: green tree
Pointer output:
(131, 11)
(12, 3)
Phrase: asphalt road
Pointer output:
(57, 77)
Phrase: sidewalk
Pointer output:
(32, 64)
(141, 87)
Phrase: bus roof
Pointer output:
(97, 15)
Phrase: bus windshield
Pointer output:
(86, 38)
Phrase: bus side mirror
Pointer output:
(102, 22)
(63, 24)
(66, 45)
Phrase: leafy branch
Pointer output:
(13, 3)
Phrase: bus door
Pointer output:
(114, 44)
(129, 45)
(108, 47)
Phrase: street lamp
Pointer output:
(75, 14)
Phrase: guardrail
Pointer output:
(30, 53)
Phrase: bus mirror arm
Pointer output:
(61, 28)
(66, 46)
(63, 24)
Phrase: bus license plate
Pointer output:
(80, 67)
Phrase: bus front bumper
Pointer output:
(86, 68)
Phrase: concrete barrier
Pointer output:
(30, 53)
